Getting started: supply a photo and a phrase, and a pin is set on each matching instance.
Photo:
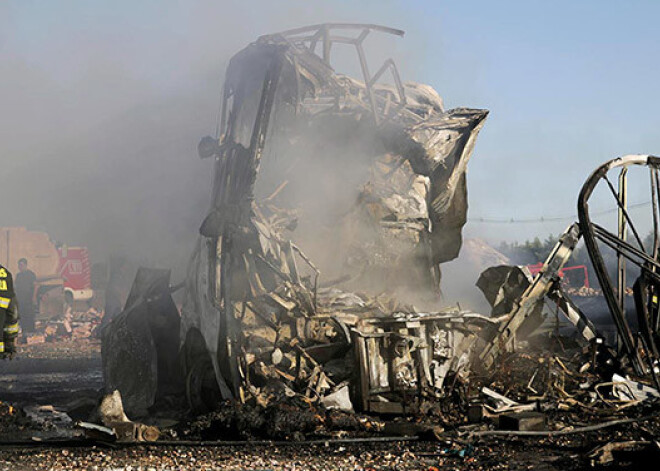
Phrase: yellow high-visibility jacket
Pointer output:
(8, 308)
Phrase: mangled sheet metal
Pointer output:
(321, 172)
(377, 172)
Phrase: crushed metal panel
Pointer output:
(410, 355)
(503, 285)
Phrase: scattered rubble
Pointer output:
(13, 420)
(111, 412)
(72, 325)
(627, 452)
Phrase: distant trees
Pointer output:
(529, 252)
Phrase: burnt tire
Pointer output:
(202, 389)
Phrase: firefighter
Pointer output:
(24, 289)
(8, 314)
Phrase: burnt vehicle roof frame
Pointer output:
(322, 32)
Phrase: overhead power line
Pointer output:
(542, 219)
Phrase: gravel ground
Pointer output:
(376, 457)
(78, 349)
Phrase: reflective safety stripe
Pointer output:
(4, 302)
(11, 328)
(2, 347)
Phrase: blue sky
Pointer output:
(569, 84)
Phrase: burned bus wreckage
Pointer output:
(373, 179)
(294, 133)
(317, 271)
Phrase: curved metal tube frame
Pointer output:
(649, 265)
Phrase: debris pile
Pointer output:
(116, 425)
(71, 325)
(13, 420)
(273, 324)
(289, 419)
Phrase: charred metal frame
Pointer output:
(228, 344)
(429, 347)
(309, 37)
(645, 258)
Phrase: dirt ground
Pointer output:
(52, 372)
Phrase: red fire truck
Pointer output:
(534, 269)
(63, 273)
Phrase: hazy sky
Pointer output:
(103, 103)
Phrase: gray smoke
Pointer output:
(103, 107)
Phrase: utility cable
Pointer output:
(512, 220)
